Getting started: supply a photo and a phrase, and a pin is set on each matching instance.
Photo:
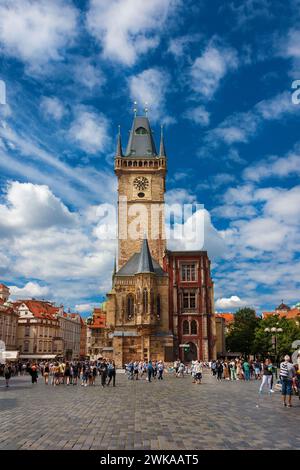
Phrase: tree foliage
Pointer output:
(242, 332)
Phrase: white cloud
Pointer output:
(52, 107)
(30, 290)
(32, 207)
(278, 167)
(84, 308)
(36, 32)
(230, 303)
(90, 130)
(151, 86)
(127, 29)
(208, 69)
(198, 115)
(178, 46)
(241, 127)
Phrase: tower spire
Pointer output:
(145, 264)
(119, 152)
(162, 150)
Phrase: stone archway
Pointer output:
(192, 354)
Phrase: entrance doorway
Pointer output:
(192, 354)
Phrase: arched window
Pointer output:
(145, 301)
(158, 305)
(194, 327)
(186, 327)
(130, 306)
(141, 131)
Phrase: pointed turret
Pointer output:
(141, 142)
(162, 149)
(119, 152)
(145, 264)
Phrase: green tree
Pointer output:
(241, 335)
(264, 342)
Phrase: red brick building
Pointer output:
(191, 304)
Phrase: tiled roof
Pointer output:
(98, 322)
(40, 308)
(228, 317)
(290, 314)
(3, 286)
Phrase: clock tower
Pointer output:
(141, 173)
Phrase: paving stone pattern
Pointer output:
(168, 414)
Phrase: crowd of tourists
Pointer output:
(287, 381)
(66, 373)
(84, 373)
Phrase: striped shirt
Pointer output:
(287, 370)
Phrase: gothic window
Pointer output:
(189, 300)
(194, 327)
(145, 301)
(188, 272)
(141, 131)
(186, 327)
(152, 302)
(158, 305)
(130, 306)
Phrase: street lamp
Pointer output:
(274, 332)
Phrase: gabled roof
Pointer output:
(141, 142)
(40, 308)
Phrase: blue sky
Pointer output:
(217, 75)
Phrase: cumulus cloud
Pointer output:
(52, 107)
(151, 86)
(275, 167)
(29, 290)
(37, 32)
(30, 206)
(232, 302)
(208, 69)
(127, 29)
(90, 130)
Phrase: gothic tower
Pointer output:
(141, 173)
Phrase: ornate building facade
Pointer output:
(141, 321)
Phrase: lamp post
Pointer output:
(274, 332)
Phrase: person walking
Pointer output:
(232, 368)
(267, 376)
(150, 370)
(219, 369)
(67, 373)
(111, 372)
(198, 368)
(34, 373)
(160, 369)
(287, 372)
(7, 373)
(246, 368)
(103, 371)
(257, 370)
(46, 373)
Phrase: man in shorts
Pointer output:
(287, 373)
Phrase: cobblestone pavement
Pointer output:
(172, 414)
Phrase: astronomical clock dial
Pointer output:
(141, 183)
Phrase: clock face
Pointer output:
(141, 183)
